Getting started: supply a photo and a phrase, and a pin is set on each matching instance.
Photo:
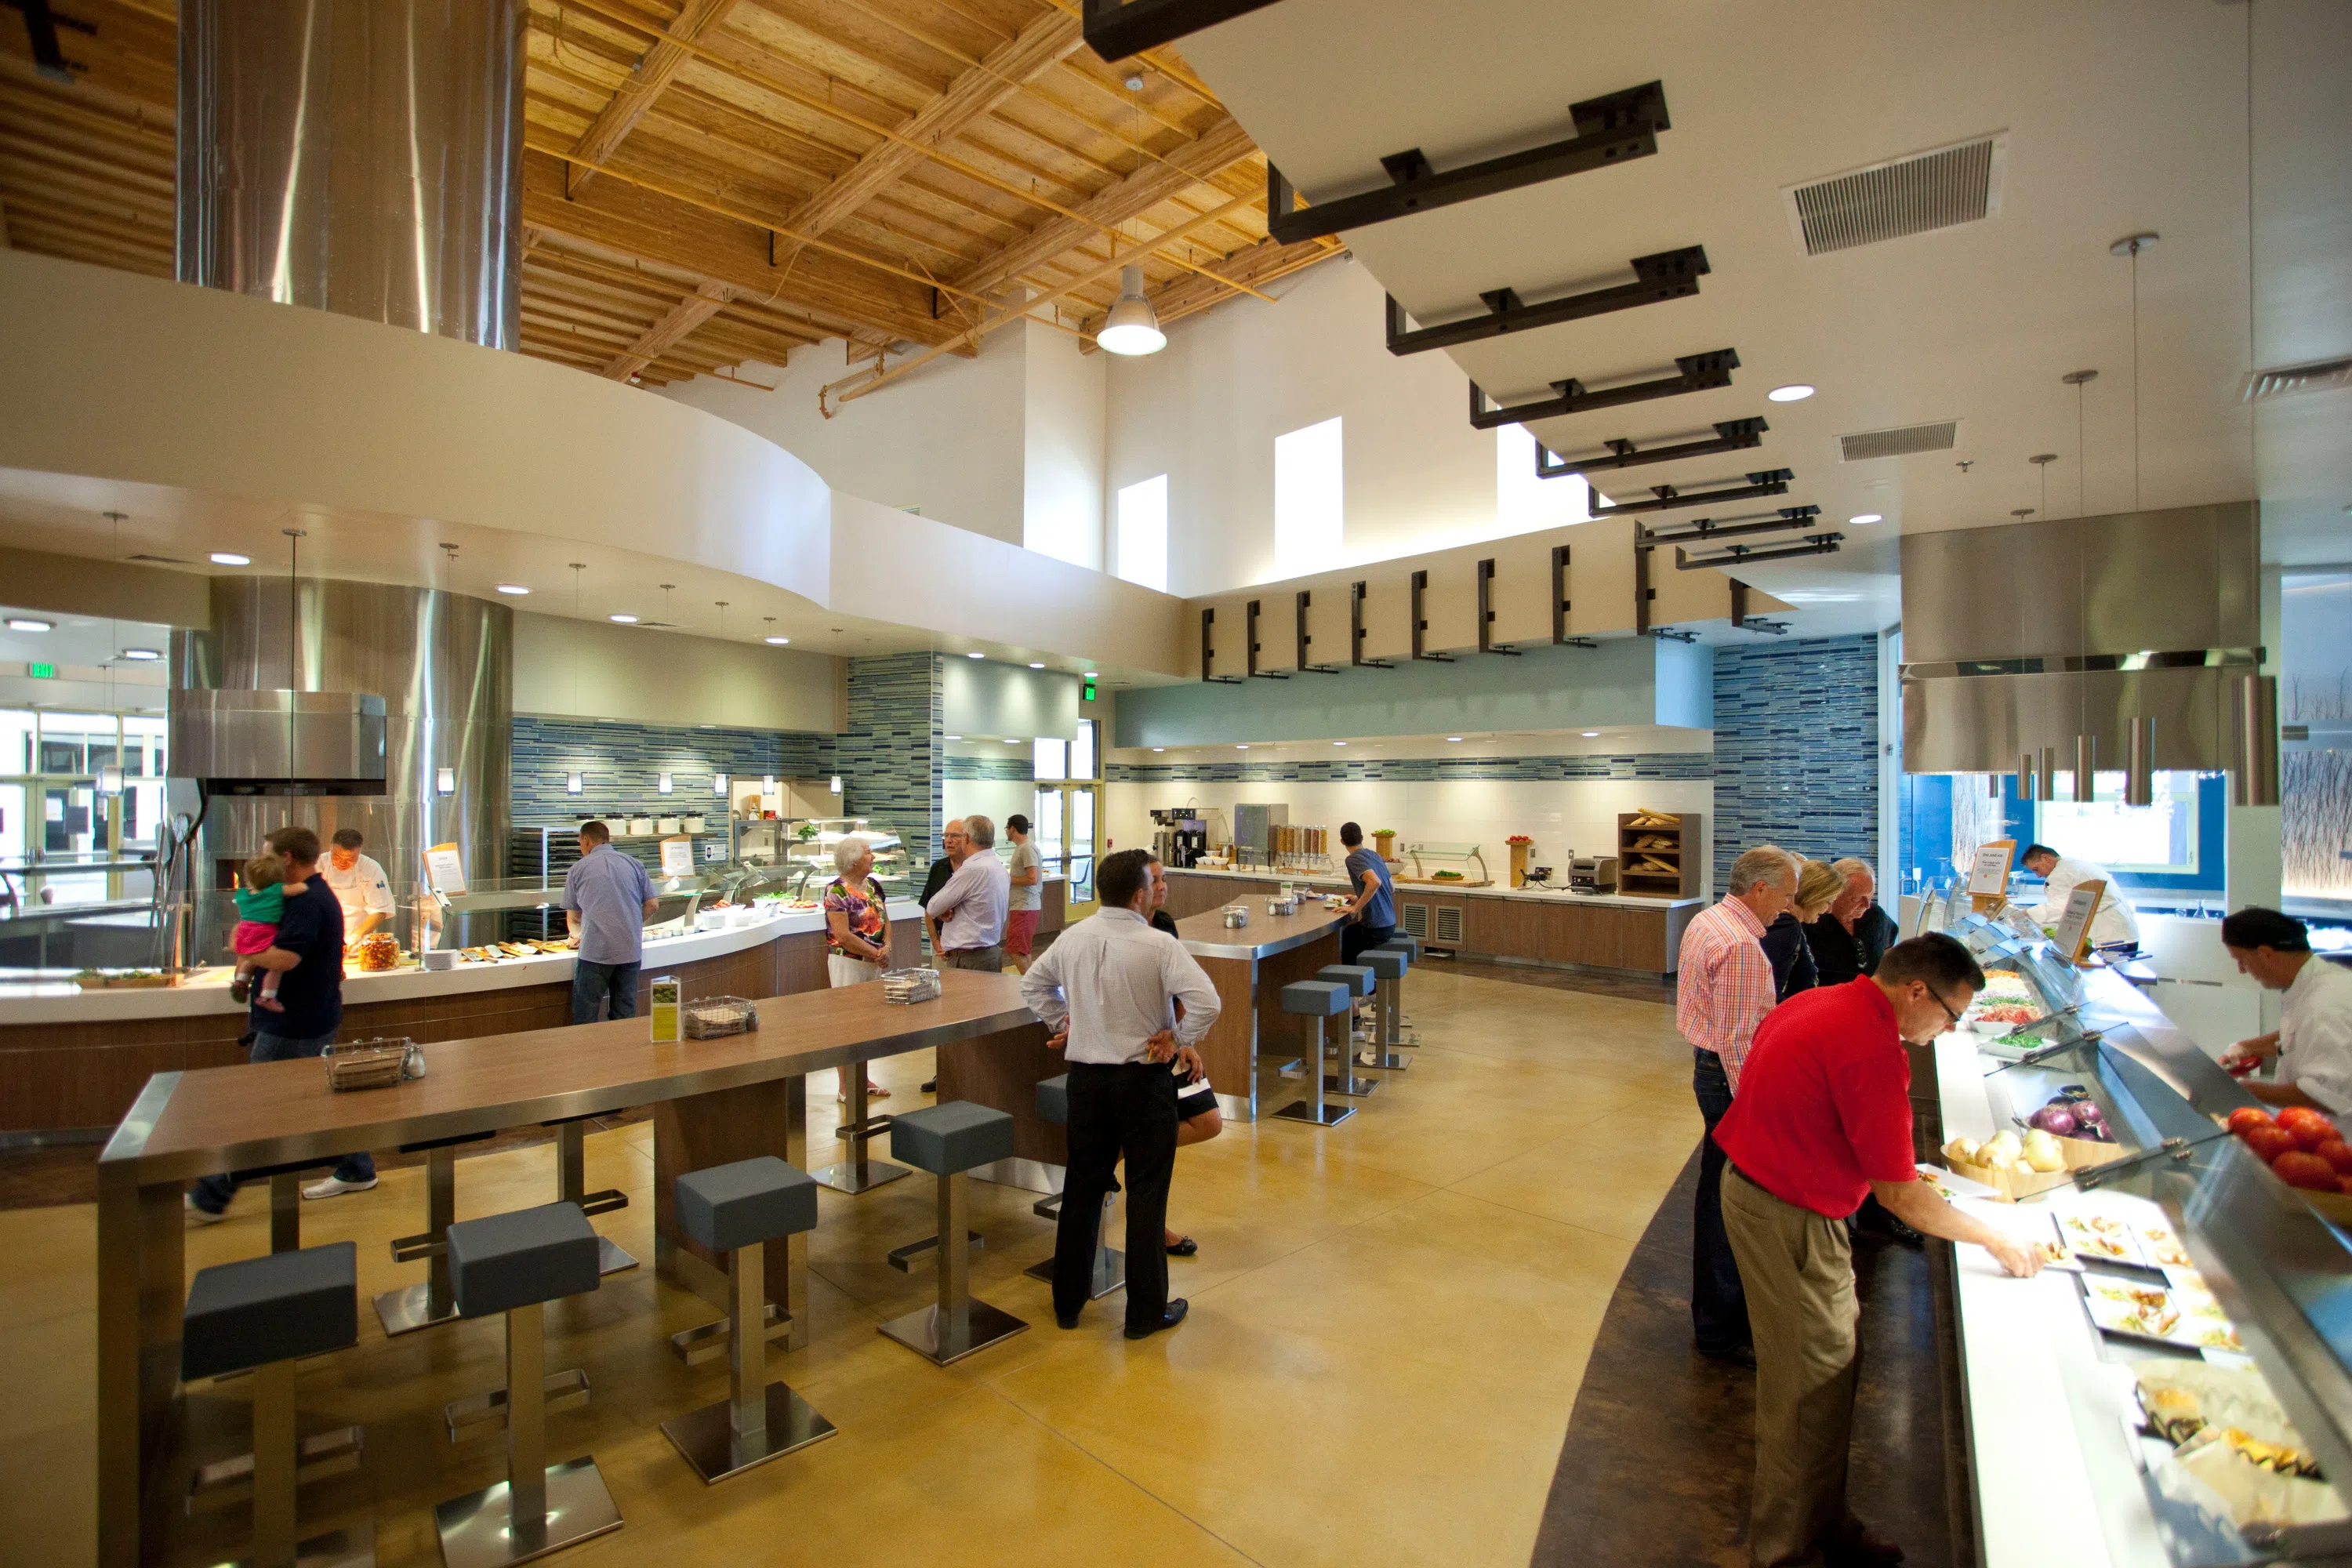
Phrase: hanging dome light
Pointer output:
(1132, 326)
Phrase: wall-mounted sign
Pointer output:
(678, 857)
(42, 671)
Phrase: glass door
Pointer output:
(1066, 842)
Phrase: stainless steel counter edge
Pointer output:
(1295, 938)
(1407, 890)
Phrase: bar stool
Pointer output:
(261, 1315)
(409, 1307)
(1316, 1000)
(1109, 1272)
(947, 1140)
(1388, 965)
(571, 1187)
(738, 1209)
(859, 1172)
(515, 1264)
(1357, 979)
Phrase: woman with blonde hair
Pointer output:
(1819, 883)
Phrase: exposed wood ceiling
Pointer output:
(718, 182)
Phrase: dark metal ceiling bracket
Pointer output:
(1703, 529)
(1421, 621)
(1306, 659)
(1115, 29)
(1737, 555)
(1667, 498)
(1668, 275)
(1249, 641)
(1356, 592)
(1208, 655)
(1694, 373)
(1486, 643)
(1730, 436)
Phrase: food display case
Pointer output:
(807, 854)
(1444, 866)
(2173, 1389)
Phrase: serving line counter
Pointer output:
(1246, 1049)
(74, 1059)
(1527, 925)
(2062, 1463)
(715, 1102)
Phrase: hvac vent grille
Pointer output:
(1898, 442)
(2319, 376)
(1909, 195)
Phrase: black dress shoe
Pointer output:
(1182, 1246)
(1167, 1320)
(1071, 1321)
(1861, 1549)
(931, 1086)
(1731, 1355)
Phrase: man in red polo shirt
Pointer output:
(1824, 1119)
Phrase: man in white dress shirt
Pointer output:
(2314, 1040)
(2059, 874)
(1109, 984)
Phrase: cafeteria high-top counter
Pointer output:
(72, 1060)
(1525, 925)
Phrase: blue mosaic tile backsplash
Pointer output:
(621, 764)
(890, 757)
(1421, 770)
(1796, 749)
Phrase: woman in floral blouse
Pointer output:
(856, 926)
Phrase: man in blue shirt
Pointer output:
(607, 898)
(309, 958)
(1372, 916)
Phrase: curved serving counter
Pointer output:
(72, 1058)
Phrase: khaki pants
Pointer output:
(1798, 1268)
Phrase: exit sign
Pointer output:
(42, 671)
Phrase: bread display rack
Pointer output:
(1658, 854)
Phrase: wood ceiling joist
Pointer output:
(36, 141)
(675, 326)
(637, 94)
(1261, 263)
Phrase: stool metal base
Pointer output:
(700, 1343)
(476, 1532)
(1386, 1061)
(1109, 1272)
(566, 1390)
(611, 1257)
(901, 1257)
(849, 1177)
(351, 1548)
(410, 1308)
(709, 1444)
(230, 1481)
(1321, 1116)
(925, 1332)
(1353, 1087)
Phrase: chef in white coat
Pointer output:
(2314, 1039)
(359, 884)
(2059, 874)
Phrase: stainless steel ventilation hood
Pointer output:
(278, 742)
(2051, 634)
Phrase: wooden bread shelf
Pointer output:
(1680, 875)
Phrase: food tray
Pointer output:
(2158, 1316)
(368, 1064)
(712, 1018)
(908, 985)
(2013, 1185)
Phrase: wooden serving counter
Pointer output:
(1249, 965)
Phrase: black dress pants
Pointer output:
(1115, 1110)
(1719, 1304)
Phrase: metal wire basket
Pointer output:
(369, 1063)
(712, 1018)
(905, 985)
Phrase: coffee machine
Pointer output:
(1180, 837)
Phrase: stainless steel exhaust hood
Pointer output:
(280, 742)
(2049, 634)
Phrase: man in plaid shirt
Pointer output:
(1723, 989)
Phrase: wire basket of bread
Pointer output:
(901, 986)
(372, 1064)
(714, 1017)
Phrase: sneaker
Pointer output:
(335, 1187)
(198, 1213)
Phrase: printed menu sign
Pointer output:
(1989, 875)
(678, 857)
(2074, 934)
(444, 868)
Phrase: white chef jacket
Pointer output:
(2114, 923)
(2315, 1034)
(362, 890)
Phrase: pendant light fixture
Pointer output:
(1133, 326)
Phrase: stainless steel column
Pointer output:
(359, 156)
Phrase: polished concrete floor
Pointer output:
(1391, 1320)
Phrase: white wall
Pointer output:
(1578, 815)
(1062, 461)
(566, 669)
(995, 799)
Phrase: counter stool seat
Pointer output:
(1390, 962)
(515, 1264)
(260, 1315)
(571, 1187)
(948, 1139)
(1360, 983)
(1316, 1001)
(1109, 1272)
(408, 1307)
(738, 1209)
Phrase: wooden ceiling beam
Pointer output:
(1261, 263)
(674, 327)
(636, 97)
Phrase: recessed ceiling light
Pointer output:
(953, 737)
(517, 589)
(1158, 748)
(1339, 742)
(1036, 664)
(778, 642)
(230, 558)
(1865, 517)
(1241, 748)
(1453, 738)
(975, 656)
(624, 620)
(27, 624)
(1097, 675)
(1592, 735)
(142, 655)
(1795, 392)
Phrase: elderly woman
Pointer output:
(1819, 883)
(1850, 940)
(856, 926)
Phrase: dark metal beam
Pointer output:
(1421, 621)
(1694, 373)
(1356, 630)
(1118, 28)
(1207, 656)
(1738, 555)
(1668, 275)
(1250, 642)
(1665, 497)
(1701, 529)
(1559, 602)
(1307, 659)
(1611, 130)
(1730, 436)
(1486, 643)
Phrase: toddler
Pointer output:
(260, 905)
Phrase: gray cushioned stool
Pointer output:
(1110, 1264)
(947, 1140)
(261, 1315)
(1358, 979)
(738, 1209)
(515, 1264)
(571, 1187)
(1316, 1001)
(1390, 962)
(408, 1307)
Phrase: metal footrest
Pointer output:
(901, 1256)
(409, 1248)
(700, 1343)
(559, 1390)
(605, 1202)
(710, 1443)
(1296, 1067)
(227, 1481)
(872, 1127)
(1388, 1061)
(1047, 1207)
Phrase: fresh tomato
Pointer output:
(2336, 1152)
(2247, 1117)
(2309, 1126)
(2270, 1143)
(2299, 1169)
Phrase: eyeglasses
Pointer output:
(1946, 1006)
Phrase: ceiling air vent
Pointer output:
(1927, 191)
(163, 560)
(1900, 442)
(2281, 380)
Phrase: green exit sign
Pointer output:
(1089, 693)
(42, 671)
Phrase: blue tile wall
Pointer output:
(1016, 769)
(1421, 770)
(890, 757)
(620, 766)
(1796, 749)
